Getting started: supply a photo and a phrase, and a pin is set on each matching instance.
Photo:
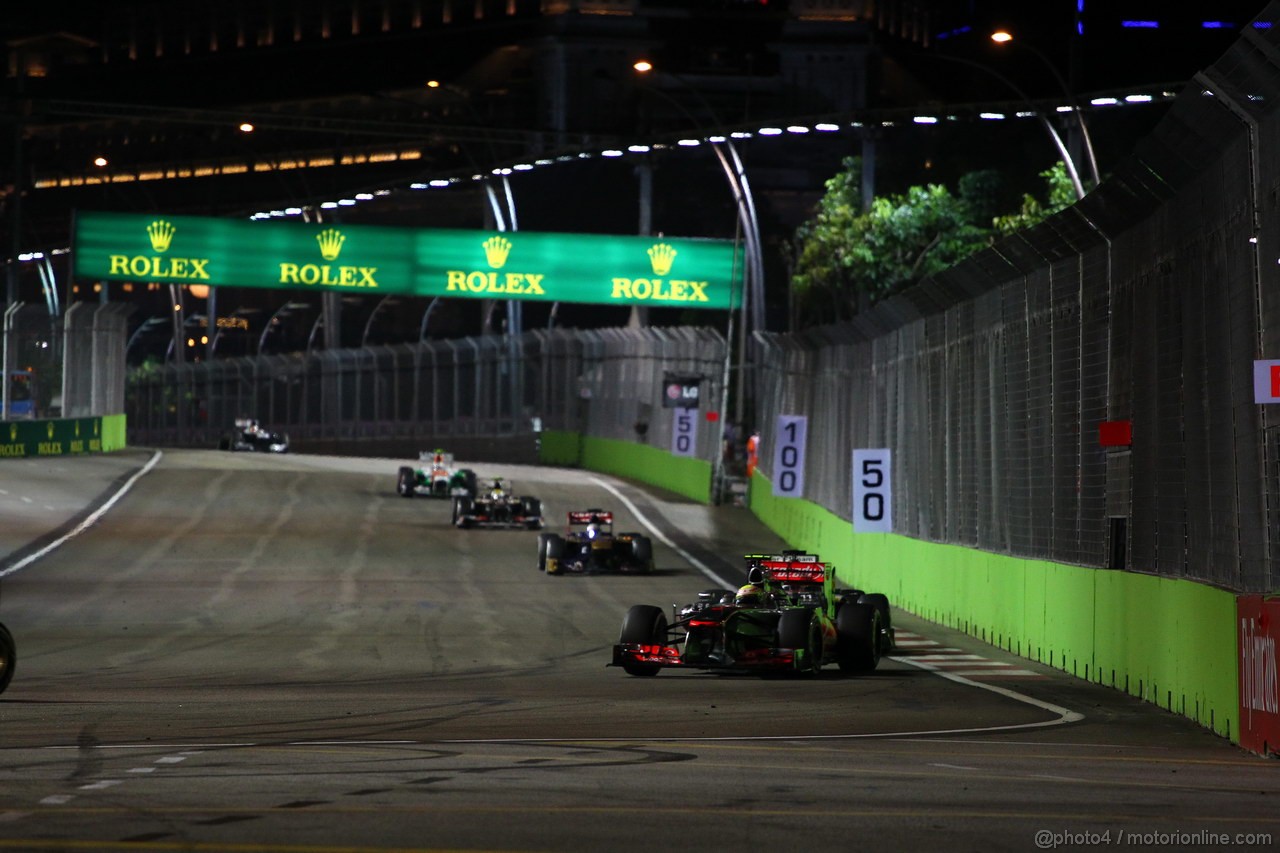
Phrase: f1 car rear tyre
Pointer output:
(404, 482)
(881, 603)
(531, 508)
(642, 553)
(857, 637)
(469, 479)
(799, 630)
(8, 657)
(646, 625)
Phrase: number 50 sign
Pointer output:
(872, 493)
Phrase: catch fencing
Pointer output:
(605, 383)
(1145, 304)
(63, 366)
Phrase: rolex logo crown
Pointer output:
(330, 240)
(161, 234)
(662, 257)
(496, 250)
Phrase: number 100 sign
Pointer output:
(788, 456)
(872, 492)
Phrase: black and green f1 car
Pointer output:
(788, 617)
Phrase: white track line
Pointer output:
(1065, 715)
(662, 537)
(88, 522)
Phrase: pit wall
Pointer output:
(1169, 642)
(62, 436)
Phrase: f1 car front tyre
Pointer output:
(858, 637)
(799, 630)
(543, 539)
(462, 507)
(8, 657)
(553, 562)
(646, 625)
(404, 482)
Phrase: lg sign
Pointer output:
(681, 392)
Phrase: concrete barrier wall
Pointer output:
(1169, 642)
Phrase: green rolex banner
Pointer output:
(58, 437)
(592, 268)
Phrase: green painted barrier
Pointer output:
(62, 436)
(655, 466)
(1170, 642)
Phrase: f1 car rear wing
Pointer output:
(790, 567)
(436, 457)
(590, 516)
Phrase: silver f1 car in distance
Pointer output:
(248, 435)
(789, 618)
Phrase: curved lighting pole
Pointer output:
(1005, 37)
(735, 173)
(1067, 160)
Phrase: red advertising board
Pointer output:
(1258, 618)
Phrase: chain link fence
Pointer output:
(1147, 303)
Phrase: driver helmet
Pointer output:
(751, 595)
(593, 530)
(497, 489)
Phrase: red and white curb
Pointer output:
(932, 655)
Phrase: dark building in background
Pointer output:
(362, 100)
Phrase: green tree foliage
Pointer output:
(845, 259)
(1061, 194)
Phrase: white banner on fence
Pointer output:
(788, 456)
(872, 491)
(684, 432)
(1266, 381)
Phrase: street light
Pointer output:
(1003, 37)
